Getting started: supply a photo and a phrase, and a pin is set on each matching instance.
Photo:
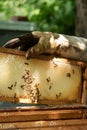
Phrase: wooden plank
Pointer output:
(16, 116)
(12, 51)
(47, 125)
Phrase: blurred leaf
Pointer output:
(49, 15)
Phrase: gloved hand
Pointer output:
(60, 45)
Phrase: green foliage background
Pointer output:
(49, 15)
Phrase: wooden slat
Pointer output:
(47, 125)
(15, 116)
(12, 51)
